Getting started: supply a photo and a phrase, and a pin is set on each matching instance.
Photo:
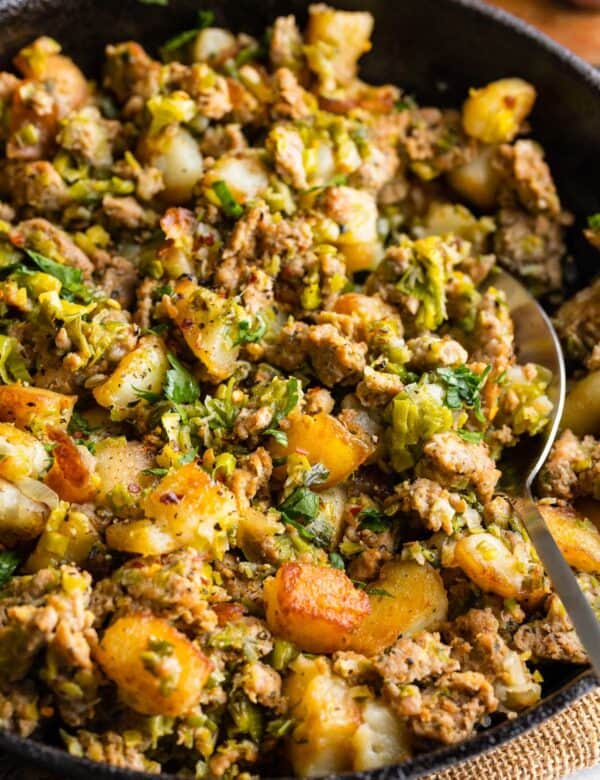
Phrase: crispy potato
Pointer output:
(21, 518)
(244, 173)
(355, 211)
(142, 369)
(414, 600)
(34, 407)
(323, 439)
(72, 473)
(365, 309)
(316, 607)
(121, 462)
(344, 36)
(209, 326)
(186, 509)
(255, 530)
(325, 716)
(577, 537)
(21, 454)
(478, 180)
(488, 562)
(382, 738)
(213, 45)
(67, 538)
(582, 406)
(495, 113)
(157, 670)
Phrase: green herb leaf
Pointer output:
(157, 472)
(180, 385)
(463, 388)
(147, 395)
(205, 19)
(9, 560)
(378, 592)
(70, 278)
(163, 3)
(301, 503)
(249, 334)
(594, 221)
(229, 204)
(279, 436)
(336, 560)
(472, 436)
(246, 55)
(373, 520)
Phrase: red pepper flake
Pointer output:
(133, 488)
(170, 498)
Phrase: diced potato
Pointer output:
(366, 309)
(213, 45)
(355, 212)
(315, 607)
(582, 406)
(121, 462)
(345, 36)
(209, 326)
(382, 738)
(143, 369)
(34, 407)
(414, 599)
(21, 454)
(186, 509)
(175, 153)
(21, 518)
(244, 173)
(325, 716)
(255, 530)
(495, 113)
(477, 180)
(577, 537)
(42, 61)
(67, 538)
(322, 438)
(156, 668)
(72, 472)
(488, 562)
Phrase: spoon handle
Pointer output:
(580, 612)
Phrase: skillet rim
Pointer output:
(57, 760)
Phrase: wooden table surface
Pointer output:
(577, 29)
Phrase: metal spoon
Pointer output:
(537, 342)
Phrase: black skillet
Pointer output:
(436, 49)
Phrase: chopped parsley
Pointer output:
(147, 395)
(70, 278)
(373, 520)
(336, 560)
(9, 560)
(205, 19)
(463, 388)
(180, 385)
(301, 510)
(229, 204)
(594, 221)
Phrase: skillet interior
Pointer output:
(436, 49)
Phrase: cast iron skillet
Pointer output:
(436, 49)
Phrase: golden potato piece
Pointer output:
(478, 180)
(21, 454)
(323, 439)
(143, 369)
(208, 324)
(72, 473)
(186, 509)
(121, 462)
(577, 537)
(344, 36)
(494, 113)
(325, 716)
(381, 739)
(316, 607)
(582, 406)
(157, 670)
(489, 563)
(413, 599)
(34, 407)
(21, 518)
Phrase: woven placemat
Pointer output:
(564, 744)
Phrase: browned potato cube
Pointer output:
(577, 537)
(157, 670)
(34, 407)
(316, 607)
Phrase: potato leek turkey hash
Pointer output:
(253, 396)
